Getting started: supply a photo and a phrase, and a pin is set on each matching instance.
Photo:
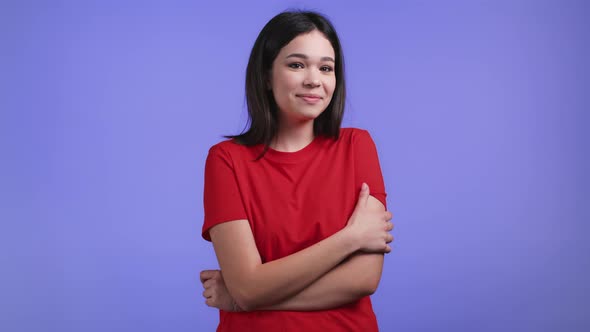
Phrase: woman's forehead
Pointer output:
(312, 45)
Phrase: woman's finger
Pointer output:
(388, 216)
(363, 196)
(207, 293)
(210, 302)
(207, 274)
(388, 238)
(208, 283)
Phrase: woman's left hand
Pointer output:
(216, 293)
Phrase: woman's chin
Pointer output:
(302, 115)
(308, 115)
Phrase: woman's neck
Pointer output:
(293, 137)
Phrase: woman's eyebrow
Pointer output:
(303, 56)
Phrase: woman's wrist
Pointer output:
(350, 238)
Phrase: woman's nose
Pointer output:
(312, 78)
(311, 81)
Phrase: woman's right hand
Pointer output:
(370, 228)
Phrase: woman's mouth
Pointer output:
(310, 99)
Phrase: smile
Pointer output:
(310, 99)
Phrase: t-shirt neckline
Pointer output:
(292, 157)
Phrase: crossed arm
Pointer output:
(326, 275)
(353, 279)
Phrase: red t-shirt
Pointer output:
(293, 200)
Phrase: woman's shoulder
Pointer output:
(352, 134)
(356, 138)
(231, 147)
(353, 131)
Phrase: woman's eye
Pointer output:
(327, 69)
(295, 65)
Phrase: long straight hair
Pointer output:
(262, 108)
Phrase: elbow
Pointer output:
(241, 298)
(248, 303)
(244, 304)
(245, 299)
(370, 285)
(246, 291)
(372, 276)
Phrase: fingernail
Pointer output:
(364, 186)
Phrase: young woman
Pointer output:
(298, 234)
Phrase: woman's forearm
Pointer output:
(254, 285)
(355, 278)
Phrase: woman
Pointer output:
(298, 234)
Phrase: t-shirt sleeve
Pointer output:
(222, 200)
(367, 168)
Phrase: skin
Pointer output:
(347, 265)
(304, 66)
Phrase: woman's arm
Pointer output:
(336, 288)
(254, 285)
(356, 277)
(346, 283)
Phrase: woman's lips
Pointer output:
(310, 100)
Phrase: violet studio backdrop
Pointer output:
(479, 110)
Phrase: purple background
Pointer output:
(479, 110)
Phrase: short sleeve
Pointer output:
(367, 168)
(222, 200)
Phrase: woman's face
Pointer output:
(303, 77)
